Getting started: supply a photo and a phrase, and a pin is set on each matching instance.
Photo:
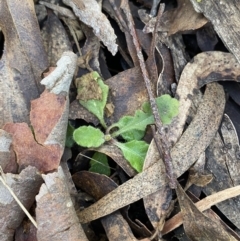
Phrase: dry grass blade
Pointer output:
(2, 179)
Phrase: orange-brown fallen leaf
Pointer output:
(29, 152)
(43, 146)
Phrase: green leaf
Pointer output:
(168, 108)
(92, 94)
(69, 136)
(133, 127)
(99, 164)
(88, 136)
(134, 152)
(133, 134)
(129, 123)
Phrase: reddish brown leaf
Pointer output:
(29, 152)
(45, 114)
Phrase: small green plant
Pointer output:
(99, 164)
(130, 128)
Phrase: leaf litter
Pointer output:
(37, 136)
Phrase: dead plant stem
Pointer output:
(163, 143)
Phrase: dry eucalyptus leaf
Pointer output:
(55, 214)
(197, 226)
(89, 12)
(231, 146)
(191, 145)
(217, 164)
(116, 154)
(90, 50)
(204, 68)
(180, 19)
(203, 205)
(224, 16)
(128, 94)
(98, 185)
(156, 204)
(141, 185)
(202, 129)
(55, 39)
(25, 186)
(23, 61)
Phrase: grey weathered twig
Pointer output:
(164, 144)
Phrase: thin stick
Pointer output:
(2, 179)
(164, 146)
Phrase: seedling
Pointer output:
(130, 128)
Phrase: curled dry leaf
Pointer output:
(115, 153)
(204, 68)
(55, 213)
(61, 78)
(25, 186)
(23, 61)
(89, 12)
